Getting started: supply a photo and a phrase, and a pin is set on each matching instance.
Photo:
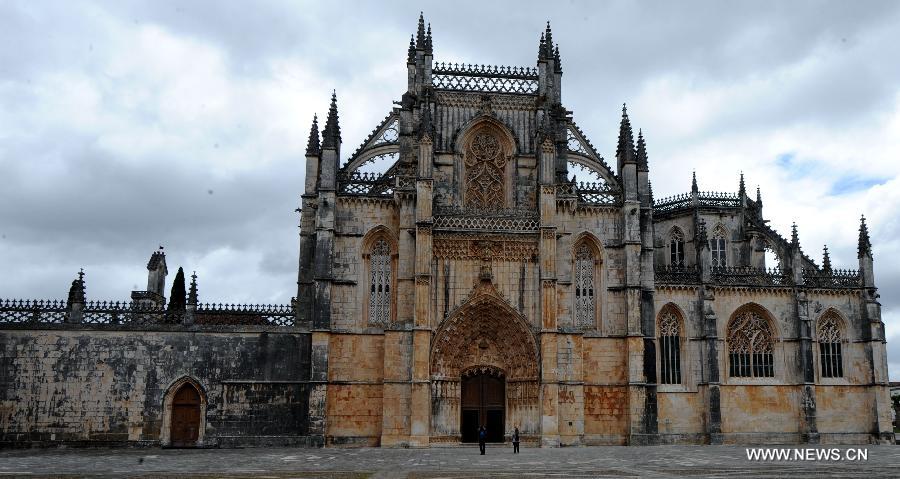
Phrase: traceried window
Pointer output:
(717, 247)
(830, 346)
(669, 348)
(676, 248)
(750, 346)
(380, 284)
(485, 165)
(584, 286)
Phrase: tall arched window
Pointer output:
(585, 303)
(669, 347)
(380, 284)
(750, 346)
(676, 248)
(830, 346)
(717, 245)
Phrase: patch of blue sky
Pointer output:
(853, 183)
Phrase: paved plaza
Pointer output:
(457, 462)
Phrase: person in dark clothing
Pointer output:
(515, 441)
(482, 438)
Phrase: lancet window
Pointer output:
(830, 356)
(669, 347)
(380, 284)
(585, 301)
(750, 346)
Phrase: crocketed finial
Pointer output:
(313, 146)
(429, 48)
(826, 260)
(411, 52)
(331, 136)
(865, 244)
(641, 153)
(625, 148)
(192, 292)
(420, 32)
(742, 189)
(795, 239)
(694, 188)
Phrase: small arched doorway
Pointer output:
(483, 399)
(186, 416)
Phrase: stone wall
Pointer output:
(76, 385)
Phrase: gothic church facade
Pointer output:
(496, 271)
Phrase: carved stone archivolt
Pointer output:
(493, 247)
(485, 331)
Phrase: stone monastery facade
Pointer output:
(475, 262)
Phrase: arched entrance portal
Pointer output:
(186, 416)
(484, 371)
(483, 403)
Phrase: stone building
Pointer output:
(477, 262)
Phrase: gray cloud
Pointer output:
(120, 118)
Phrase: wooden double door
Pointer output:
(483, 404)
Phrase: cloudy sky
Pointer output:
(126, 125)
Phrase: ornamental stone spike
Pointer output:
(312, 145)
(864, 247)
(694, 188)
(192, 292)
(331, 136)
(429, 47)
(411, 52)
(541, 47)
(795, 240)
(548, 46)
(420, 32)
(641, 153)
(556, 60)
(625, 148)
(826, 260)
(758, 196)
(742, 189)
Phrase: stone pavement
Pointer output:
(455, 462)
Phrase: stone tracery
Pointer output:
(485, 162)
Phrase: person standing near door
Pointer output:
(515, 440)
(482, 438)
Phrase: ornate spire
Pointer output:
(742, 190)
(694, 188)
(428, 45)
(331, 136)
(556, 60)
(420, 32)
(865, 244)
(650, 190)
(411, 52)
(548, 52)
(758, 196)
(312, 146)
(192, 292)
(795, 240)
(826, 260)
(626, 138)
(641, 153)
(542, 47)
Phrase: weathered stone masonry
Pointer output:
(476, 262)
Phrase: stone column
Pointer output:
(549, 310)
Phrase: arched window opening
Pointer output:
(717, 245)
(676, 248)
(380, 284)
(670, 347)
(585, 305)
(830, 346)
(750, 346)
